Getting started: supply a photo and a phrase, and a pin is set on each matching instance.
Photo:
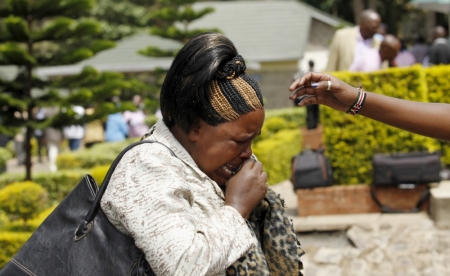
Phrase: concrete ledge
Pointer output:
(439, 204)
(369, 221)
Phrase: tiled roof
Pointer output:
(123, 58)
(261, 30)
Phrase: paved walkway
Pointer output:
(369, 244)
(13, 166)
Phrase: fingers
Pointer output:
(248, 163)
(309, 91)
(264, 176)
(308, 79)
(310, 99)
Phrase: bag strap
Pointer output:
(386, 209)
(96, 205)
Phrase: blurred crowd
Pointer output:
(50, 141)
(369, 47)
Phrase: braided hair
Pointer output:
(207, 81)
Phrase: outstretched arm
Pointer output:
(429, 119)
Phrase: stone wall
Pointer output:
(355, 199)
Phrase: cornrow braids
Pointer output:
(207, 81)
(233, 93)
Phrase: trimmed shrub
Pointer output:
(99, 154)
(294, 116)
(58, 184)
(99, 173)
(276, 153)
(31, 225)
(4, 220)
(23, 199)
(10, 243)
(351, 141)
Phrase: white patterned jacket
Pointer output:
(174, 212)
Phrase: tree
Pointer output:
(47, 33)
(164, 19)
(120, 18)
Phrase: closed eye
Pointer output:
(241, 142)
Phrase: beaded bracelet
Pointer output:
(358, 103)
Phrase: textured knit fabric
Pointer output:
(176, 215)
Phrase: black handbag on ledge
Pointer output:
(78, 239)
(405, 170)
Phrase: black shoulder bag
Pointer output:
(78, 239)
(405, 170)
(311, 169)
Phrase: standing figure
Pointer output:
(348, 44)
(136, 119)
(75, 133)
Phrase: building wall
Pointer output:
(320, 35)
(274, 79)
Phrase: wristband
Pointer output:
(358, 102)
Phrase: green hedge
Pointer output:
(279, 141)
(351, 141)
(294, 116)
(99, 154)
(10, 243)
(276, 153)
(57, 184)
(438, 84)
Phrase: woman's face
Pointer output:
(220, 150)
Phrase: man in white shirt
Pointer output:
(348, 44)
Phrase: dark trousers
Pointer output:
(74, 144)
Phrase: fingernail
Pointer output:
(314, 85)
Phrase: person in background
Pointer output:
(136, 119)
(94, 131)
(75, 133)
(419, 49)
(404, 57)
(348, 44)
(116, 128)
(39, 133)
(19, 146)
(53, 138)
(430, 119)
(439, 52)
(373, 59)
